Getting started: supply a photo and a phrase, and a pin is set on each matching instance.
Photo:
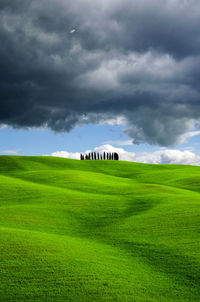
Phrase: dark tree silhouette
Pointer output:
(116, 156)
(99, 156)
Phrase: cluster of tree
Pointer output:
(98, 156)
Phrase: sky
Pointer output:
(104, 75)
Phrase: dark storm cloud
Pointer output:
(65, 63)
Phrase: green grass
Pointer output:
(98, 231)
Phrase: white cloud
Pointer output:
(11, 152)
(161, 156)
(167, 156)
(2, 126)
(184, 138)
(120, 143)
(117, 121)
(66, 154)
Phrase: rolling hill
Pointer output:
(98, 231)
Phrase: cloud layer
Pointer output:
(162, 156)
(65, 63)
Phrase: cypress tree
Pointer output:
(104, 155)
(94, 155)
(116, 156)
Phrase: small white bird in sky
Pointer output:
(72, 31)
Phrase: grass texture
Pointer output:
(98, 231)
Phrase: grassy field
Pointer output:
(98, 231)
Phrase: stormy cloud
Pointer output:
(65, 63)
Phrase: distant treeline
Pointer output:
(99, 156)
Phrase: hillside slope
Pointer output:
(98, 231)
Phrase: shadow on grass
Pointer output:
(180, 268)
